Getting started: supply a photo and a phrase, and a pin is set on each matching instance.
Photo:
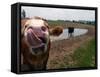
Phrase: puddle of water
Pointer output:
(64, 35)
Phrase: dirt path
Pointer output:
(61, 50)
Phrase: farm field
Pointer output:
(73, 52)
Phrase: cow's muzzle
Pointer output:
(36, 43)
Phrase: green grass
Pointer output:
(56, 23)
(85, 55)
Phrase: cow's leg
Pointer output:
(71, 34)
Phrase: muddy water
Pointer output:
(64, 35)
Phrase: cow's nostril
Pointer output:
(43, 28)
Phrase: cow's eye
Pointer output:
(43, 28)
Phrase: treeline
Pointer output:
(80, 21)
(85, 22)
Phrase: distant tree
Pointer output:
(23, 14)
(73, 21)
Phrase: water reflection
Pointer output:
(65, 34)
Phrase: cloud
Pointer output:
(59, 14)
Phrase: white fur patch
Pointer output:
(36, 23)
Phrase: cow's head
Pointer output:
(36, 34)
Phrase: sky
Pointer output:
(59, 13)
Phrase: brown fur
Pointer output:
(56, 31)
(36, 61)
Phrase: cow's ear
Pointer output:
(56, 31)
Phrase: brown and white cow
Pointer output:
(35, 42)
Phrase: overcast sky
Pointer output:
(59, 14)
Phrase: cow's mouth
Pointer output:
(37, 43)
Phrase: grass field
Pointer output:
(67, 24)
(55, 23)
(85, 55)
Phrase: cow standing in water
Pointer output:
(70, 31)
(35, 42)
